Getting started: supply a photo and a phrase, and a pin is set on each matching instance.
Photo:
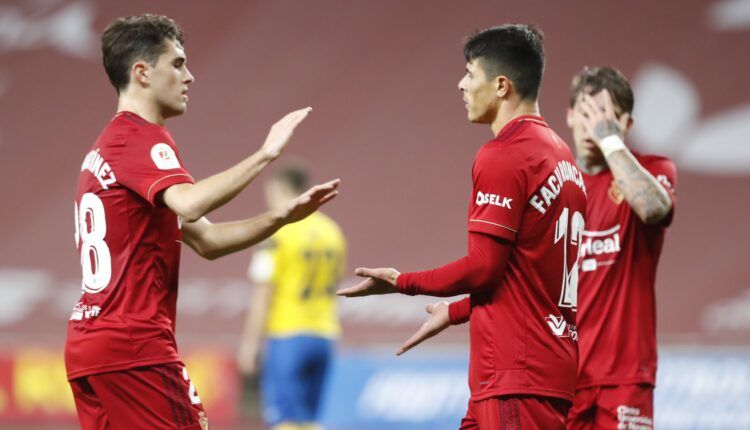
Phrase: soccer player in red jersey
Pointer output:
(526, 219)
(135, 205)
(631, 200)
(630, 204)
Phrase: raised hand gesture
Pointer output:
(282, 131)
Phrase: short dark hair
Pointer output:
(513, 50)
(592, 80)
(132, 38)
(294, 174)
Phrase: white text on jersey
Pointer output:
(564, 172)
(95, 164)
(492, 199)
(597, 243)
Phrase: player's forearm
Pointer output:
(643, 192)
(193, 201)
(218, 240)
(256, 317)
(460, 311)
(479, 271)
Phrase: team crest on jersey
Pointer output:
(164, 157)
(614, 193)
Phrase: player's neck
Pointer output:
(590, 167)
(507, 112)
(141, 107)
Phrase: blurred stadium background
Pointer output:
(387, 119)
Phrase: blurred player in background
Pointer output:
(292, 319)
(630, 204)
(525, 225)
(135, 205)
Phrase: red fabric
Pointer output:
(613, 407)
(516, 413)
(460, 311)
(479, 271)
(619, 256)
(154, 398)
(526, 190)
(126, 314)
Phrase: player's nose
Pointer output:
(189, 78)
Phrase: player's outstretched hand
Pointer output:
(379, 281)
(310, 201)
(282, 131)
(438, 321)
(599, 117)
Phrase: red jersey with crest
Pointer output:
(528, 191)
(618, 259)
(130, 251)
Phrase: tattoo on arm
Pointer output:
(606, 128)
(645, 195)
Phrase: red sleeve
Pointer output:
(665, 172)
(460, 311)
(150, 164)
(499, 193)
(478, 271)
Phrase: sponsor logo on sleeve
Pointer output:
(493, 199)
(164, 157)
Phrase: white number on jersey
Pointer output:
(569, 293)
(192, 393)
(91, 227)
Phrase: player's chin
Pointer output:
(179, 108)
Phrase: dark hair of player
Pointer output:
(512, 50)
(293, 174)
(592, 80)
(132, 38)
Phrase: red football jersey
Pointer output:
(618, 258)
(130, 251)
(527, 190)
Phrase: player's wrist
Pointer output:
(611, 144)
(266, 155)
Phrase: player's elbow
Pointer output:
(180, 199)
(484, 278)
(188, 211)
(655, 214)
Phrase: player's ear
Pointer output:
(502, 85)
(626, 122)
(570, 116)
(140, 73)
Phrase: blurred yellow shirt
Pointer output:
(303, 264)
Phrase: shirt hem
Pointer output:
(543, 392)
(120, 366)
(616, 381)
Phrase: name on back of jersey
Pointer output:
(565, 171)
(98, 167)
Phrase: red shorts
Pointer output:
(613, 407)
(150, 398)
(516, 413)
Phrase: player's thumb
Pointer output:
(363, 271)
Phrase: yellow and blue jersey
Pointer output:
(303, 263)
